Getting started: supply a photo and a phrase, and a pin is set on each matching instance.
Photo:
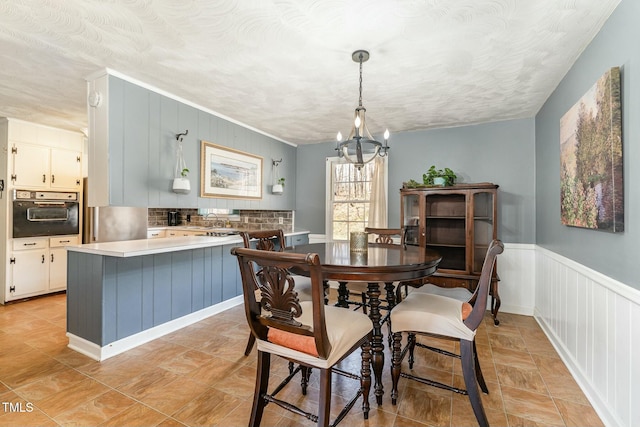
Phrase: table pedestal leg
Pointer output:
(325, 289)
(495, 301)
(377, 348)
(343, 295)
(391, 294)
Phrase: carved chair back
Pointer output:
(279, 306)
(265, 240)
(385, 236)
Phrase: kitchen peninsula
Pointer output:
(123, 294)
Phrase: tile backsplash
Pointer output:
(249, 219)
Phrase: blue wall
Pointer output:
(500, 152)
(613, 254)
(523, 157)
(142, 151)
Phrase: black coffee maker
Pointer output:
(173, 218)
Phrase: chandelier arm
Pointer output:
(359, 152)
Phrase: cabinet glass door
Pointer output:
(411, 218)
(483, 226)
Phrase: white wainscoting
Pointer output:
(594, 323)
(516, 270)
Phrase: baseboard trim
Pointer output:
(96, 352)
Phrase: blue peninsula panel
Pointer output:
(110, 298)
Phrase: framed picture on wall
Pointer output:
(591, 184)
(229, 173)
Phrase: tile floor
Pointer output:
(198, 376)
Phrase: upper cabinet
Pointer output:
(41, 157)
(36, 166)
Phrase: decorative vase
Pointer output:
(181, 185)
(358, 241)
(438, 180)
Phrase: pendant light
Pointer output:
(360, 147)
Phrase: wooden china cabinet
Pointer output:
(459, 222)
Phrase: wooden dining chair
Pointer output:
(422, 313)
(381, 237)
(308, 333)
(272, 240)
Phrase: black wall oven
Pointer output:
(44, 213)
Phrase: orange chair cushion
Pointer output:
(466, 310)
(293, 341)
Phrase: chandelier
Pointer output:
(360, 147)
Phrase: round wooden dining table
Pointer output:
(381, 263)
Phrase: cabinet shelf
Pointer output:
(445, 245)
(459, 218)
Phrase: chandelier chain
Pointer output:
(360, 99)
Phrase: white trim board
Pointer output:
(98, 353)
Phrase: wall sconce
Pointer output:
(181, 184)
(278, 183)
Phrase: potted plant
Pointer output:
(441, 177)
(181, 184)
(278, 188)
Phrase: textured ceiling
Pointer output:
(284, 67)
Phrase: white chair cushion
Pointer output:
(344, 328)
(431, 314)
(461, 294)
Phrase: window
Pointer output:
(348, 197)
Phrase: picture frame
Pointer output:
(591, 163)
(229, 173)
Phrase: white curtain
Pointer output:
(378, 200)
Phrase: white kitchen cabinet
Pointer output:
(36, 166)
(39, 158)
(58, 261)
(155, 233)
(30, 165)
(38, 266)
(28, 268)
(66, 169)
(57, 269)
(180, 233)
